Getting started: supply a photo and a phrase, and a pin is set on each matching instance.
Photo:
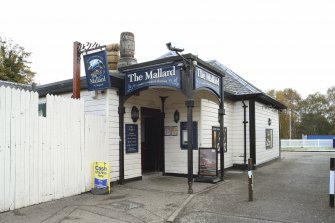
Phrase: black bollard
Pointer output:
(250, 180)
(331, 182)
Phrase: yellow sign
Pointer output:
(101, 175)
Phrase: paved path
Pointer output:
(153, 199)
(294, 189)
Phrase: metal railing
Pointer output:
(306, 143)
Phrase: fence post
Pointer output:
(250, 180)
(331, 182)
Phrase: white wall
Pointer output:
(113, 133)
(95, 104)
(45, 158)
(209, 118)
(149, 99)
(175, 157)
(262, 114)
(103, 104)
(238, 132)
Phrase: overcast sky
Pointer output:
(272, 44)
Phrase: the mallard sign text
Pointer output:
(158, 76)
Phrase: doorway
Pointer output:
(152, 148)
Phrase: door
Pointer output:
(152, 145)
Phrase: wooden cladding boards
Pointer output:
(46, 158)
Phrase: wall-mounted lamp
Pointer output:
(269, 121)
(135, 114)
(176, 116)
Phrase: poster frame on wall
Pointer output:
(268, 138)
(216, 138)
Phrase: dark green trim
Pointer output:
(240, 166)
(66, 86)
(252, 130)
(178, 175)
(121, 112)
(114, 183)
(173, 59)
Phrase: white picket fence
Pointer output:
(45, 158)
(306, 143)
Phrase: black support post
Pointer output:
(189, 105)
(221, 115)
(245, 132)
(252, 130)
(162, 159)
(121, 111)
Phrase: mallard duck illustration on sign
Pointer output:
(96, 67)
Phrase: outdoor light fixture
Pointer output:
(171, 48)
(135, 114)
(269, 121)
(176, 116)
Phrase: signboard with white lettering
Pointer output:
(96, 69)
(131, 138)
(206, 79)
(157, 76)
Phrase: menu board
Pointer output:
(131, 138)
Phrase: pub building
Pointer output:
(148, 107)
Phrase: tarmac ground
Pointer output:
(292, 189)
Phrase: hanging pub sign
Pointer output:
(155, 76)
(206, 79)
(96, 69)
(131, 138)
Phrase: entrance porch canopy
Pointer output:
(187, 74)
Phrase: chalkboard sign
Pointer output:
(208, 164)
(131, 138)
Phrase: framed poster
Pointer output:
(171, 130)
(208, 162)
(268, 138)
(131, 138)
(167, 130)
(184, 135)
(174, 130)
(216, 138)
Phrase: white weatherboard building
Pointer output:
(158, 139)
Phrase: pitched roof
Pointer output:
(235, 87)
(16, 85)
(233, 82)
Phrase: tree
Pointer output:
(331, 110)
(290, 122)
(315, 110)
(14, 64)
